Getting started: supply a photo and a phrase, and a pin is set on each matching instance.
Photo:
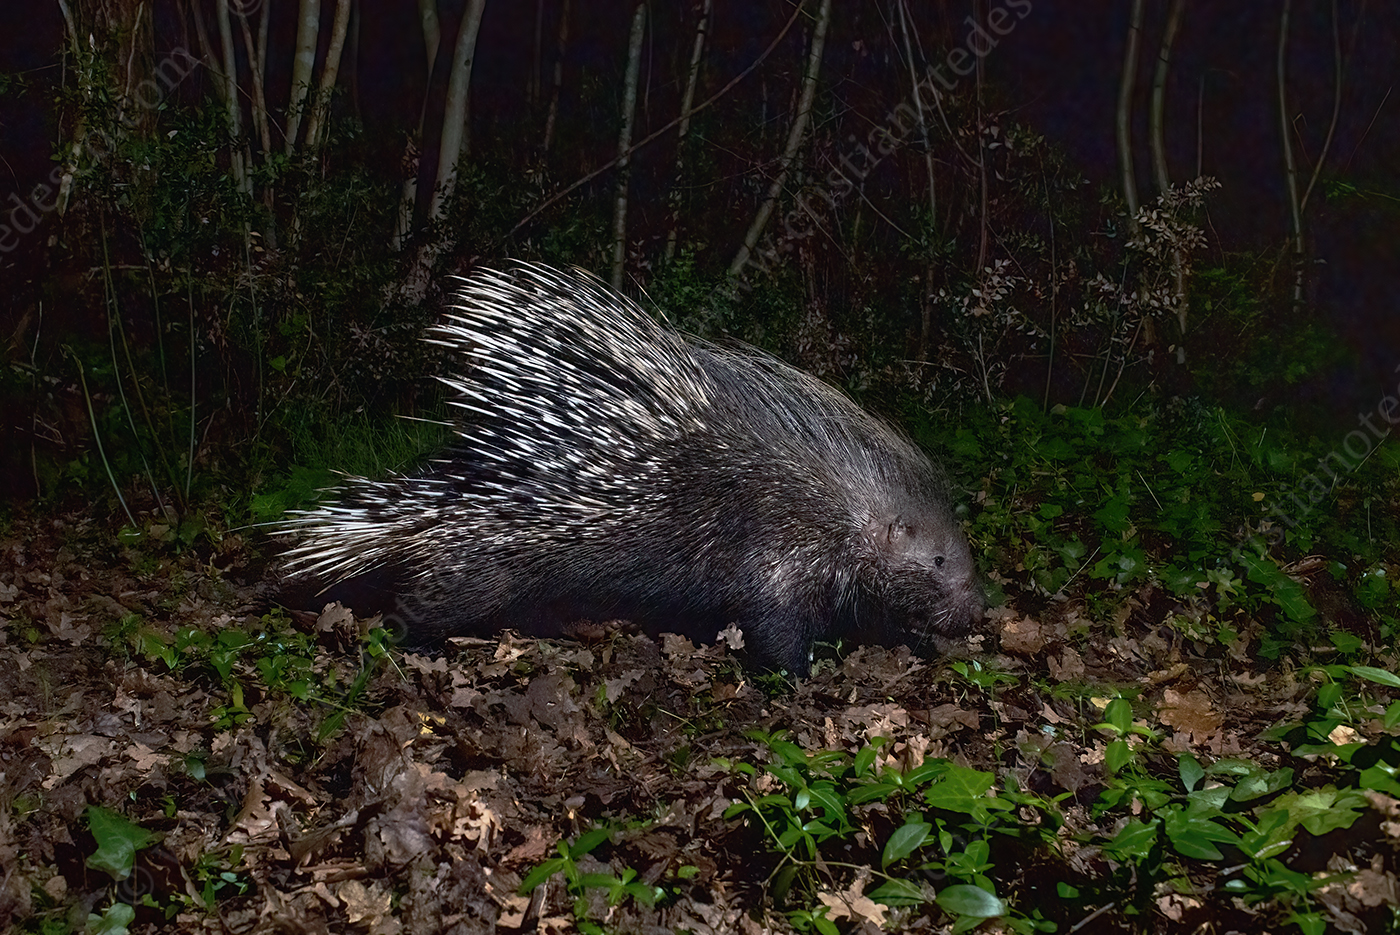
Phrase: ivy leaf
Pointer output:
(118, 840)
(113, 921)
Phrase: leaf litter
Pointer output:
(414, 792)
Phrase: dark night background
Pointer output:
(1057, 72)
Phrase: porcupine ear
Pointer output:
(892, 535)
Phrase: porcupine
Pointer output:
(606, 467)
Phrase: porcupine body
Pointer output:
(605, 467)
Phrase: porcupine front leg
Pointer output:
(782, 636)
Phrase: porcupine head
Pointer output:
(921, 574)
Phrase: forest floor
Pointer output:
(171, 744)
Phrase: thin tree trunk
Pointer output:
(1200, 124)
(206, 49)
(532, 87)
(1336, 111)
(330, 69)
(794, 141)
(353, 41)
(450, 148)
(263, 17)
(257, 62)
(624, 143)
(454, 115)
(1295, 205)
(432, 31)
(237, 152)
(697, 51)
(1054, 292)
(984, 208)
(919, 110)
(561, 46)
(1157, 115)
(256, 58)
(1157, 137)
(1124, 120)
(75, 148)
(408, 198)
(304, 62)
(658, 133)
(926, 292)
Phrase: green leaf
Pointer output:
(113, 921)
(1230, 766)
(1135, 840)
(1312, 923)
(1179, 460)
(1208, 800)
(897, 892)
(789, 752)
(1195, 845)
(928, 769)
(1117, 755)
(782, 883)
(1271, 836)
(1287, 593)
(1190, 770)
(968, 900)
(541, 873)
(1122, 565)
(586, 842)
(1119, 713)
(876, 790)
(1346, 643)
(1380, 778)
(604, 881)
(865, 759)
(118, 840)
(905, 841)
(1260, 783)
(826, 796)
(1379, 676)
(1057, 449)
(1323, 810)
(1194, 833)
(963, 790)
(1113, 515)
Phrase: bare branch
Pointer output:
(794, 140)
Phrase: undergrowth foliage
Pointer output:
(1174, 506)
(861, 837)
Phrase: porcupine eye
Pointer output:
(938, 561)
